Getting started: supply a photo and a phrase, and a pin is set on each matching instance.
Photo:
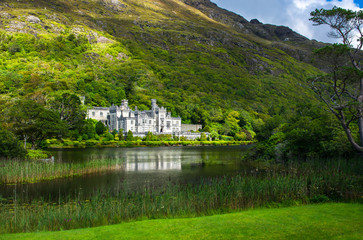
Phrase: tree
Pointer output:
(70, 110)
(341, 89)
(31, 121)
(130, 136)
(121, 135)
(10, 146)
(100, 128)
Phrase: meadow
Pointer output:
(319, 221)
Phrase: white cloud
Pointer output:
(292, 13)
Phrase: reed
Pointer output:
(17, 171)
(281, 185)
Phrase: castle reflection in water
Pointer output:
(153, 161)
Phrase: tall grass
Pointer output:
(297, 183)
(33, 171)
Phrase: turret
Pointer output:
(124, 104)
(153, 104)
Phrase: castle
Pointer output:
(157, 120)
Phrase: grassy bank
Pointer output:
(30, 171)
(295, 184)
(94, 143)
(323, 221)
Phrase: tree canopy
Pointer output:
(341, 88)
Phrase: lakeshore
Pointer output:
(105, 144)
(163, 182)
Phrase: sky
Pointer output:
(291, 13)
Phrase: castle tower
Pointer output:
(124, 104)
(153, 104)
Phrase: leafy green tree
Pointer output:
(10, 146)
(203, 137)
(121, 135)
(70, 110)
(31, 121)
(149, 136)
(130, 136)
(88, 129)
(100, 128)
(214, 135)
(341, 89)
(109, 136)
(231, 123)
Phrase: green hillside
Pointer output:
(203, 63)
(109, 50)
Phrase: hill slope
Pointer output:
(196, 59)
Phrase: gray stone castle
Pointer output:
(157, 120)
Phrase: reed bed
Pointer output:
(12, 172)
(294, 184)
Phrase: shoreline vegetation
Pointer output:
(318, 221)
(100, 144)
(32, 171)
(273, 186)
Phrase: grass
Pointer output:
(12, 172)
(296, 185)
(323, 221)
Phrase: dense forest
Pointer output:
(237, 78)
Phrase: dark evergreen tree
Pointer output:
(100, 128)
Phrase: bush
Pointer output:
(10, 146)
(109, 137)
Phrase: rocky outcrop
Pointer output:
(33, 19)
(113, 5)
(122, 56)
(104, 40)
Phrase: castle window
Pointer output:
(132, 122)
(149, 121)
(93, 114)
(101, 113)
(168, 124)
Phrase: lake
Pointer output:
(139, 168)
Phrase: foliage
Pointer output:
(31, 121)
(10, 147)
(341, 89)
(306, 133)
(204, 77)
(69, 108)
(100, 128)
(130, 136)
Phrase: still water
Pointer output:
(139, 168)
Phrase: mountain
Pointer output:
(196, 59)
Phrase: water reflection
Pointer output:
(141, 167)
(154, 160)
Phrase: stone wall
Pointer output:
(187, 135)
(191, 127)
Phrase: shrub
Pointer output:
(10, 146)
